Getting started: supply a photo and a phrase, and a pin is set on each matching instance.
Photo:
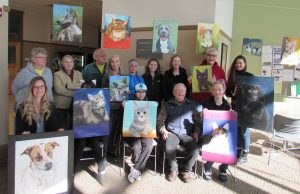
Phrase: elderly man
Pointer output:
(179, 124)
(96, 70)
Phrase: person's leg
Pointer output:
(78, 150)
(171, 144)
(192, 150)
(222, 172)
(136, 145)
(207, 170)
(146, 149)
(244, 144)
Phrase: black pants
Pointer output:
(141, 148)
(223, 167)
(189, 145)
(92, 142)
(115, 128)
(65, 118)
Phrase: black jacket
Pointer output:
(22, 125)
(154, 87)
(170, 80)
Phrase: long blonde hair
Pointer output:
(29, 112)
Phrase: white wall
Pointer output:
(224, 15)
(143, 12)
(4, 79)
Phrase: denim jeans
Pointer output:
(244, 138)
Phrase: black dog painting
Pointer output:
(164, 36)
(255, 102)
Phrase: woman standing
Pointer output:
(238, 68)
(65, 81)
(174, 75)
(36, 113)
(153, 80)
(37, 67)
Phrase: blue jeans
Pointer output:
(244, 138)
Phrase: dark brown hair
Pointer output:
(232, 72)
(147, 69)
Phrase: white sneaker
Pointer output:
(134, 175)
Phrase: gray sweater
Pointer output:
(21, 83)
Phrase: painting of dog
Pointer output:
(252, 46)
(164, 36)
(140, 119)
(201, 78)
(219, 137)
(118, 87)
(40, 164)
(91, 112)
(67, 23)
(290, 53)
(255, 101)
(208, 36)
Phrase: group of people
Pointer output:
(43, 103)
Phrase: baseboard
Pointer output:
(3, 153)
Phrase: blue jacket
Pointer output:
(133, 80)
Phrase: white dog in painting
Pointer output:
(38, 175)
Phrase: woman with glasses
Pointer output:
(36, 113)
(37, 67)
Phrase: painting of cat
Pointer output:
(201, 78)
(140, 119)
(91, 111)
(290, 51)
(117, 30)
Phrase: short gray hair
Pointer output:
(177, 85)
(212, 51)
(38, 50)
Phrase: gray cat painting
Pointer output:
(140, 121)
(90, 112)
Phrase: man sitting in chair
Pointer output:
(179, 124)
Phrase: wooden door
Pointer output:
(14, 61)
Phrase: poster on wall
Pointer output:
(40, 163)
(290, 53)
(208, 36)
(266, 71)
(201, 78)
(219, 136)
(91, 108)
(252, 46)
(117, 31)
(266, 55)
(140, 119)
(67, 23)
(165, 34)
(144, 49)
(118, 87)
(255, 102)
(277, 57)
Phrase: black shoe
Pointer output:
(207, 173)
(222, 175)
(243, 158)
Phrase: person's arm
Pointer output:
(60, 87)
(161, 119)
(20, 123)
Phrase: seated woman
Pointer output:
(141, 146)
(36, 113)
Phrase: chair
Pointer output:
(87, 149)
(151, 155)
(180, 149)
(288, 130)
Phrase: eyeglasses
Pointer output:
(45, 58)
(211, 55)
(39, 87)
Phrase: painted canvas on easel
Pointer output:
(91, 112)
(118, 87)
(255, 102)
(208, 36)
(165, 34)
(67, 23)
(201, 78)
(117, 31)
(290, 53)
(252, 46)
(219, 136)
(140, 119)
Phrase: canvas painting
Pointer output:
(290, 53)
(118, 87)
(140, 119)
(208, 36)
(201, 78)
(117, 31)
(165, 34)
(67, 23)
(252, 46)
(41, 163)
(219, 136)
(91, 108)
(255, 102)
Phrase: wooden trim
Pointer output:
(56, 44)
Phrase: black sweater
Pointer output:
(154, 87)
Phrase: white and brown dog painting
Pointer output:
(41, 166)
(164, 36)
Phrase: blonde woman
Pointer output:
(36, 113)
(65, 81)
